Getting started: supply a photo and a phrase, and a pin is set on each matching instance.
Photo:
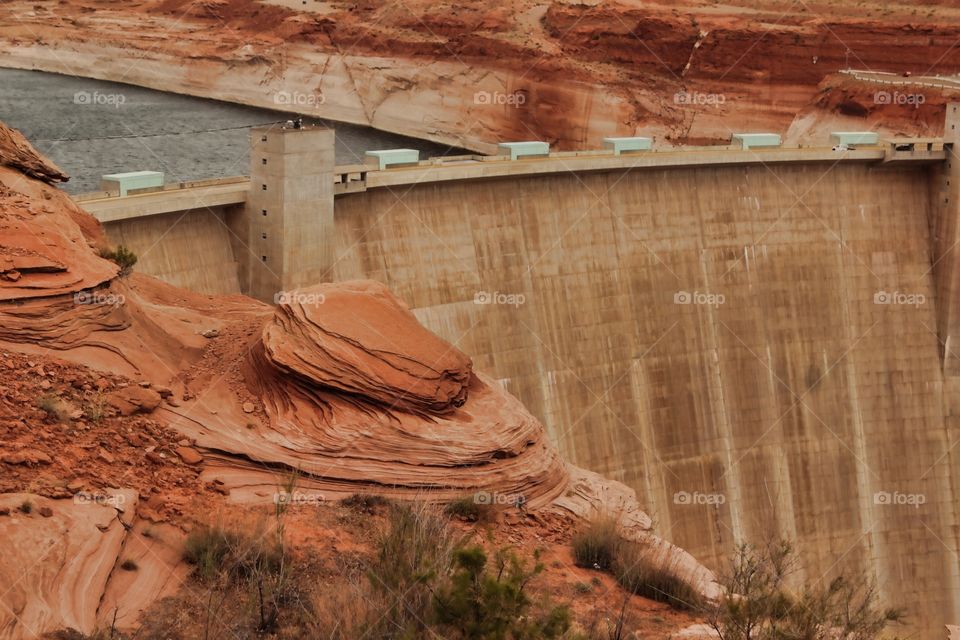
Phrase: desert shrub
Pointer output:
(759, 605)
(52, 406)
(208, 549)
(365, 502)
(595, 547)
(639, 573)
(122, 257)
(26, 507)
(250, 559)
(340, 614)
(217, 551)
(479, 604)
(107, 633)
(470, 509)
(599, 546)
(604, 626)
(129, 565)
(95, 410)
(413, 550)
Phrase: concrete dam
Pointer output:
(759, 341)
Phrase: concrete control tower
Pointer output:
(289, 210)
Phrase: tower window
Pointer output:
(263, 161)
(263, 187)
(263, 211)
(263, 258)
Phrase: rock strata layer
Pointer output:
(359, 339)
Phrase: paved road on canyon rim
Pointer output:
(90, 128)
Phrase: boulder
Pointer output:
(189, 455)
(131, 400)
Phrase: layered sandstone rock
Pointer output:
(355, 391)
(359, 339)
(17, 153)
(473, 73)
(57, 560)
(40, 254)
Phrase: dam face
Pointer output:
(754, 350)
(753, 341)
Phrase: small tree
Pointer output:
(479, 605)
(122, 256)
(759, 605)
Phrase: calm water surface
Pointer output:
(90, 128)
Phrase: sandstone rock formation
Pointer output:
(38, 256)
(470, 74)
(340, 384)
(17, 153)
(360, 340)
(77, 547)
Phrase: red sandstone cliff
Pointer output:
(474, 73)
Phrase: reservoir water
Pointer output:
(90, 128)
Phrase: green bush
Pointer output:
(479, 604)
(122, 256)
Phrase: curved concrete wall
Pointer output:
(717, 338)
(197, 249)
